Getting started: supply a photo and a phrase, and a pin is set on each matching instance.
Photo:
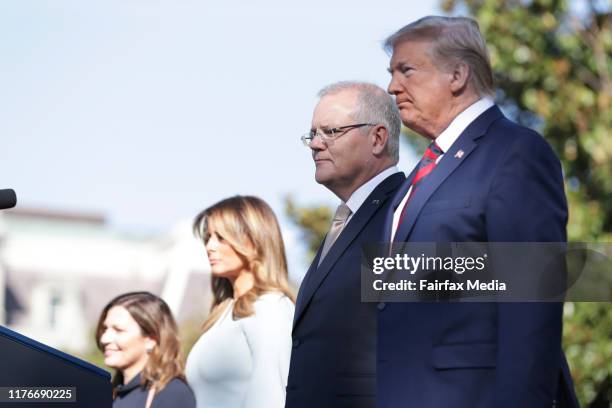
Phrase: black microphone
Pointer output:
(8, 198)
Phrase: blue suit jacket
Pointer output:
(506, 186)
(333, 360)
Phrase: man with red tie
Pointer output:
(483, 178)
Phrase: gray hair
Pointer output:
(453, 39)
(374, 105)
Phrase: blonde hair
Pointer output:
(155, 320)
(249, 225)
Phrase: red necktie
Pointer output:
(426, 165)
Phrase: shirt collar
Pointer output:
(446, 139)
(360, 195)
(125, 388)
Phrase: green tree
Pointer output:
(314, 221)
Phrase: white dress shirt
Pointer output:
(445, 140)
(359, 196)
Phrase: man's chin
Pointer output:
(411, 124)
(407, 118)
(322, 177)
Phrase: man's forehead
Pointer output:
(345, 96)
(409, 51)
(337, 104)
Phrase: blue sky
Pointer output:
(149, 111)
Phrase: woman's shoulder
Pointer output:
(177, 384)
(272, 319)
(273, 301)
(175, 394)
(271, 308)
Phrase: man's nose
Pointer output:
(317, 143)
(393, 87)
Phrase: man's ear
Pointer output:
(460, 75)
(381, 137)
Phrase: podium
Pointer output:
(35, 375)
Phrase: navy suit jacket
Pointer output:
(505, 186)
(333, 360)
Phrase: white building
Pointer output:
(59, 269)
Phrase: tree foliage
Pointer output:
(313, 222)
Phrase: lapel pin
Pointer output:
(459, 154)
(375, 202)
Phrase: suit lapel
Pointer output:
(315, 276)
(457, 154)
(311, 270)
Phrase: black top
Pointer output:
(175, 394)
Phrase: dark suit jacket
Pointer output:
(333, 361)
(506, 187)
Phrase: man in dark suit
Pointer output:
(482, 179)
(354, 140)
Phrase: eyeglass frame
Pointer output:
(307, 138)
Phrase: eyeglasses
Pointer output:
(328, 135)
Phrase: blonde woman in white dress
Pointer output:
(242, 358)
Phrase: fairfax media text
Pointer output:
(436, 285)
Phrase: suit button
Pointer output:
(381, 305)
(296, 343)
